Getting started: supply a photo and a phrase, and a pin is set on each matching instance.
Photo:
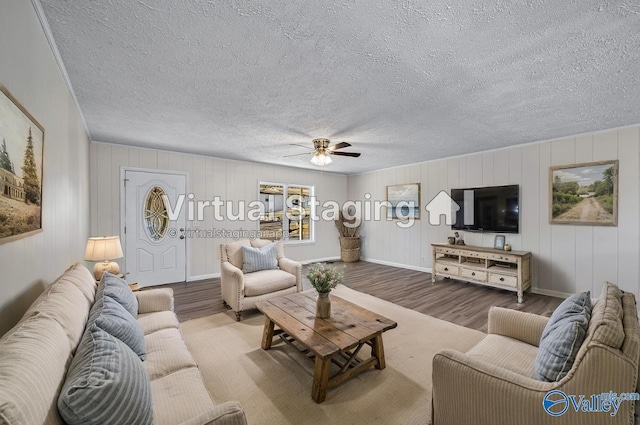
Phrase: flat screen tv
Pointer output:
(488, 209)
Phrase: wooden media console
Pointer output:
(510, 270)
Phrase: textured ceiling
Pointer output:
(403, 81)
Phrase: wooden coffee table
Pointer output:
(336, 340)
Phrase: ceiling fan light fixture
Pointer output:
(321, 159)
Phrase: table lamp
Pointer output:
(103, 249)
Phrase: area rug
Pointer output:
(274, 386)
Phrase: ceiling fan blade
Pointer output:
(302, 146)
(340, 145)
(352, 154)
(298, 154)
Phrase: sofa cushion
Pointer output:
(106, 384)
(110, 316)
(256, 259)
(118, 289)
(166, 353)
(267, 281)
(34, 358)
(67, 304)
(179, 397)
(234, 252)
(562, 338)
(153, 322)
(82, 278)
(606, 318)
(507, 353)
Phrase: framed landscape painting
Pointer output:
(584, 194)
(21, 145)
(404, 201)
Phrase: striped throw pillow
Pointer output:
(256, 259)
(562, 338)
(113, 318)
(118, 289)
(106, 384)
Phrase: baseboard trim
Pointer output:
(319, 260)
(399, 265)
(203, 277)
(550, 293)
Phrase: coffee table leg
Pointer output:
(378, 351)
(267, 333)
(320, 379)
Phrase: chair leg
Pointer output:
(237, 316)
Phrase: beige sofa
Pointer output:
(36, 353)
(242, 291)
(493, 382)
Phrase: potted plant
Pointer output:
(349, 238)
(323, 279)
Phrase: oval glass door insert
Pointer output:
(156, 217)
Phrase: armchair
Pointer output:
(241, 291)
(493, 383)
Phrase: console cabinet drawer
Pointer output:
(447, 269)
(473, 274)
(502, 279)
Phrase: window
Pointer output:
(156, 218)
(287, 212)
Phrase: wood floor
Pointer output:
(461, 303)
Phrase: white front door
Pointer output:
(155, 246)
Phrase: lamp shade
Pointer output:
(103, 248)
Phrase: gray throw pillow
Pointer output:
(256, 259)
(562, 338)
(118, 289)
(106, 384)
(112, 317)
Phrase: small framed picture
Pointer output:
(498, 242)
(403, 201)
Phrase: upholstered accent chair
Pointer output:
(494, 383)
(241, 291)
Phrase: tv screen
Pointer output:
(488, 209)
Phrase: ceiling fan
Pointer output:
(322, 151)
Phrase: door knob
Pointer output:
(181, 236)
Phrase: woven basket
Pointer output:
(350, 255)
(350, 249)
(350, 243)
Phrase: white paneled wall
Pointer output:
(566, 258)
(29, 71)
(209, 177)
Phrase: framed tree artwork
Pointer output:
(21, 153)
(584, 194)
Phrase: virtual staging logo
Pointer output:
(557, 403)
